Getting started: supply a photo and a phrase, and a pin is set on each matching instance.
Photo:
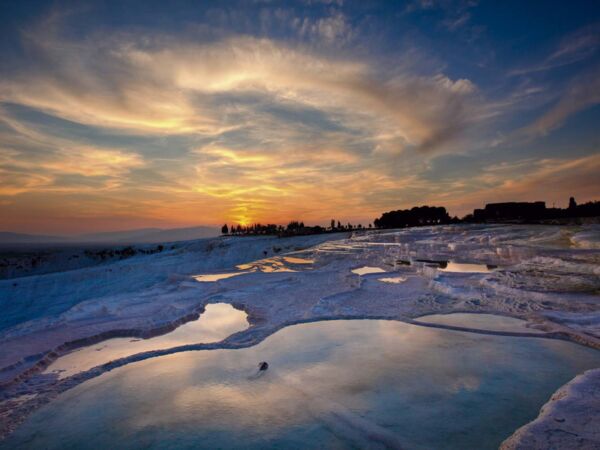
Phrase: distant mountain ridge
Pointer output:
(137, 236)
(150, 235)
(120, 234)
(8, 237)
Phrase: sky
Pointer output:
(121, 115)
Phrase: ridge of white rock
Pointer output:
(569, 420)
(540, 276)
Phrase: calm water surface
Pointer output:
(217, 322)
(336, 384)
(366, 270)
(479, 321)
(466, 267)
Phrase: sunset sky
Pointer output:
(118, 115)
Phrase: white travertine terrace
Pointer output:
(552, 287)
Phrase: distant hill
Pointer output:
(7, 237)
(138, 236)
(116, 236)
(151, 235)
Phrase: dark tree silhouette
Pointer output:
(520, 212)
(532, 212)
(572, 204)
(417, 216)
(294, 225)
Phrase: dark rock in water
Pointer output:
(440, 264)
(263, 365)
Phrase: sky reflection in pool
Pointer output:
(219, 321)
(466, 268)
(294, 260)
(367, 270)
(211, 277)
(334, 384)
(395, 280)
(267, 265)
(490, 322)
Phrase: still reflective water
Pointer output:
(395, 280)
(267, 265)
(218, 321)
(295, 260)
(366, 270)
(479, 322)
(212, 277)
(336, 384)
(466, 267)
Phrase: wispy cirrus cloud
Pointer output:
(164, 85)
(581, 93)
(561, 99)
(276, 120)
(574, 47)
(550, 180)
(267, 113)
(332, 29)
(32, 160)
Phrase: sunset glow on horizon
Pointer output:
(242, 112)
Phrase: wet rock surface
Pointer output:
(570, 419)
(534, 273)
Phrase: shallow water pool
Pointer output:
(367, 270)
(212, 277)
(479, 321)
(394, 280)
(335, 384)
(218, 321)
(267, 265)
(466, 267)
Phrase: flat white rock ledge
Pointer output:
(570, 419)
